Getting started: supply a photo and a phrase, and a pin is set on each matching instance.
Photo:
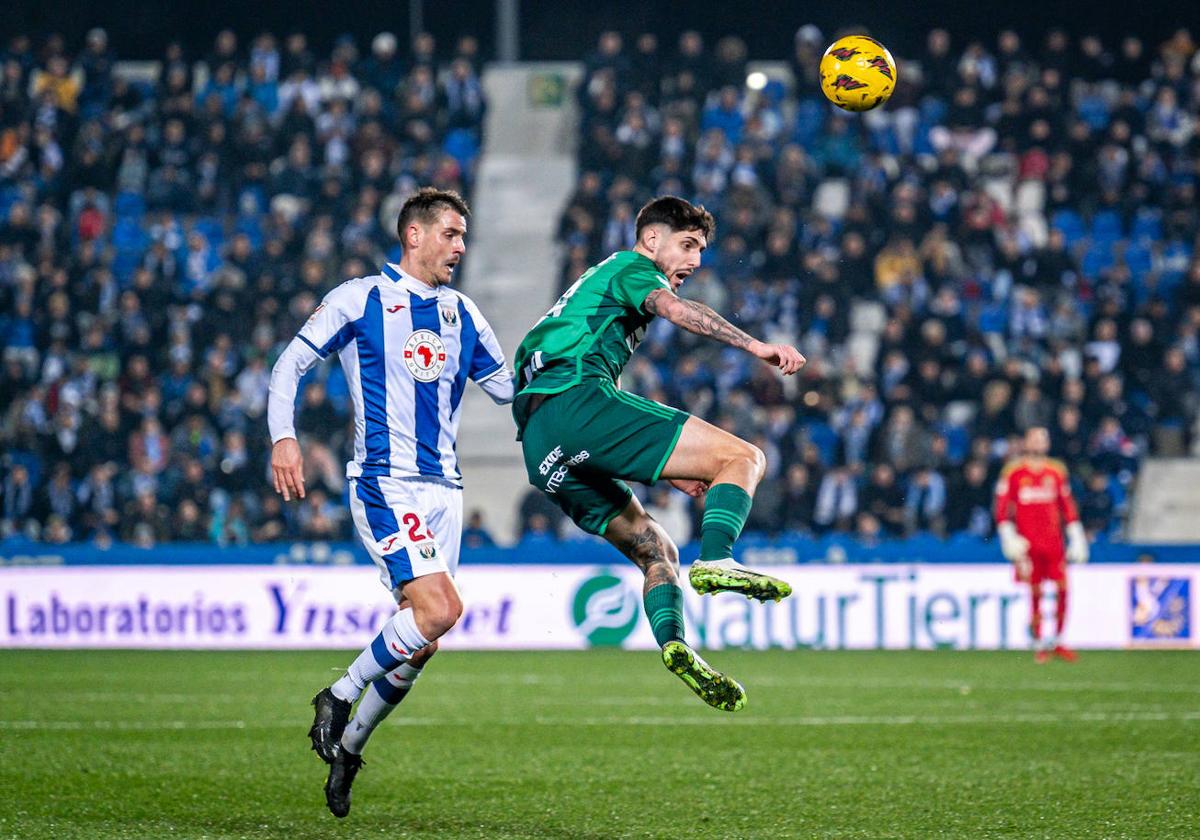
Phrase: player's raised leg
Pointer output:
(636, 535)
(731, 468)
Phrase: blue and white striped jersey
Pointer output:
(408, 350)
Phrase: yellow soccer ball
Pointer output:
(857, 73)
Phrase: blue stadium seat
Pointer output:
(1137, 257)
(461, 145)
(337, 389)
(1097, 258)
(129, 205)
(810, 117)
(1071, 225)
(212, 229)
(1093, 110)
(1147, 226)
(933, 110)
(1107, 225)
(823, 436)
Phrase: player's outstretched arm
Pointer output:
(703, 320)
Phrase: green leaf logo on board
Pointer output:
(605, 610)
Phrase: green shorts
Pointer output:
(580, 443)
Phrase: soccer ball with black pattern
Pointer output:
(857, 73)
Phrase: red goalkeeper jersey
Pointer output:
(1038, 501)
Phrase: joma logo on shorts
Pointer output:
(550, 460)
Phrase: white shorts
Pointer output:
(411, 527)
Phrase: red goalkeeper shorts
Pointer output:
(1047, 562)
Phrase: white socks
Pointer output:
(397, 641)
(377, 704)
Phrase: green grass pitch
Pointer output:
(607, 744)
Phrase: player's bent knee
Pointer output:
(758, 459)
(436, 620)
(436, 607)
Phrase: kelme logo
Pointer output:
(605, 609)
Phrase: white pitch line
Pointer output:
(641, 720)
(881, 720)
(957, 685)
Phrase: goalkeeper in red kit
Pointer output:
(1034, 507)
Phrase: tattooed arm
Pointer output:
(702, 320)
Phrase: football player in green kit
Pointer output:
(582, 434)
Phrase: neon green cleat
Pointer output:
(711, 576)
(713, 687)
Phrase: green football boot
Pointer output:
(728, 575)
(711, 686)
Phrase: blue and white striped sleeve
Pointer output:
(328, 329)
(487, 365)
(331, 326)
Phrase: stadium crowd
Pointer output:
(1008, 242)
(163, 235)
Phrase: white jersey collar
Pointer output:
(393, 272)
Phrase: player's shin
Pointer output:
(397, 641)
(664, 609)
(1060, 612)
(726, 507)
(384, 695)
(1035, 614)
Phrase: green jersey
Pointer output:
(591, 331)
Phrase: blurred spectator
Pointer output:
(476, 534)
(537, 510)
(1096, 506)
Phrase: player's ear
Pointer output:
(650, 237)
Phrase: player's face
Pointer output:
(440, 247)
(1037, 442)
(678, 254)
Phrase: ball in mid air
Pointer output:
(857, 73)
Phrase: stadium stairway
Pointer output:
(526, 174)
(1166, 507)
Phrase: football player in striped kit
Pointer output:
(408, 343)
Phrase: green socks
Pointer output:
(725, 510)
(664, 608)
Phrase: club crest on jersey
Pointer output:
(428, 552)
(425, 355)
(450, 316)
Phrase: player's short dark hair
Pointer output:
(426, 204)
(677, 214)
